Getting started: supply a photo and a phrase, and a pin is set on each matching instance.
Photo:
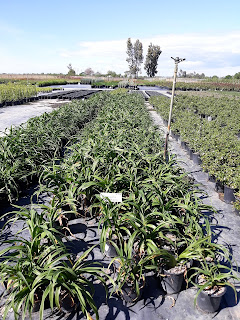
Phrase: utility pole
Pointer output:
(177, 61)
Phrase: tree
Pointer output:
(135, 56)
(71, 71)
(98, 74)
(237, 75)
(89, 72)
(113, 74)
(182, 74)
(152, 60)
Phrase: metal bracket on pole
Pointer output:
(177, 61)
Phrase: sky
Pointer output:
(45, 36)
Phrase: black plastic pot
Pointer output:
(128, 292)
(209, 302)
(196, 158)
(36, 306)
(229, 196)
(110, 251)
(172, 282)
(67, 303)
(190, 153)
(177, 136)
(174, 135)
(219, 187)
(211, 178)
(183, 145)
(187, 147)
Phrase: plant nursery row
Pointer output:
(105, 84)
(15, 93)
(209, 128)
(195, 86)
(159, 226)
(26, 148)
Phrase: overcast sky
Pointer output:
(45, 36)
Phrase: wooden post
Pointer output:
(177, 60)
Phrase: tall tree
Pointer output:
(151, 61)
(71, 71)
(135, 56)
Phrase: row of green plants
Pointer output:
(94, 83)
(104, 84)
(210, 126)
(24, 149)
(52, 82)
(48, 83)
(196, 86)
(160, 225)
(17, 92)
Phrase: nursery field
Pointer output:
(209, 128)
(83, 156)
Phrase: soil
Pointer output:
(177, 270)
(216, 290)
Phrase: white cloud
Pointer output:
(208, 53)
(211, 54)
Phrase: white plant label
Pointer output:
(113, 197)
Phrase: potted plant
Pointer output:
(129, 264)
(48, 277)
(175, 266)
(112, 226)
(212, 280)
(39, 272)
